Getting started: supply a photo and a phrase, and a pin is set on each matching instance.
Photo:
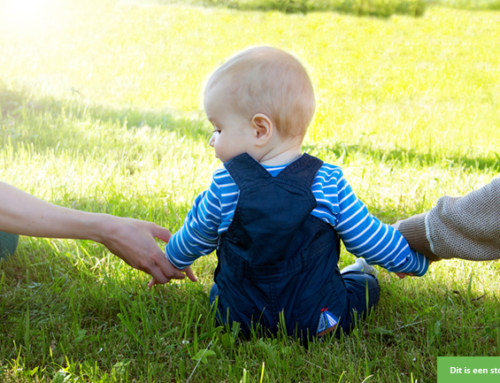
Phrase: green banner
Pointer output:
(466, 369)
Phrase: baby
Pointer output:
(276, 216)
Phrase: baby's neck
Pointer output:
(281, 157)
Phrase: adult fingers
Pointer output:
(169, 271)
(159, 272)
(190, 274)
(155, 282)
(162, 233)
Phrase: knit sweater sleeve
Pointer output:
(465, 227)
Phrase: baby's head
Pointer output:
(263, 81)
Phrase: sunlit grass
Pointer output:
(412, 85)
(101, 111)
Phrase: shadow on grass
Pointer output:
(490, 162)
(13, 104)
(85, 305)
(443, 313)
(54, 305)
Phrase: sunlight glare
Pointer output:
(25, 13)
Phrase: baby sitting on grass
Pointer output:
(276, 216)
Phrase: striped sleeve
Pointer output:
(366, 236)
(198, 236)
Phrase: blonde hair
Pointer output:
(270, 81)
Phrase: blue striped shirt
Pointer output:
(362, 234)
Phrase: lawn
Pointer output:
(100, 110)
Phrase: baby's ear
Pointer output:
(263, 127)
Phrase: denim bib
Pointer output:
(277, 264)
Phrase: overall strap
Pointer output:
(303, 170)
(246, 171)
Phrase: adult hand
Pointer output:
(187, 270)
(133, 241)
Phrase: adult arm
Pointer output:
(131, 240)
(465, 227)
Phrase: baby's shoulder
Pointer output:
(329, 172)
(222, 178)
(220, 173)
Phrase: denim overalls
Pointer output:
(277, 262)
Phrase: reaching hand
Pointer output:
(187, 270)
(133, 241)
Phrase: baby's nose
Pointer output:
(211, 142)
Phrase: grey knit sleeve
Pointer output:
(466, 227)
(413, 229)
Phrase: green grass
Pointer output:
(378, 8)
(101, 111)
(469, 4)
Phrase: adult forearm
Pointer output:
(465, 227)
(24, 214)
(413, 229)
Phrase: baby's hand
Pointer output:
(176, 274)
(404, 275)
